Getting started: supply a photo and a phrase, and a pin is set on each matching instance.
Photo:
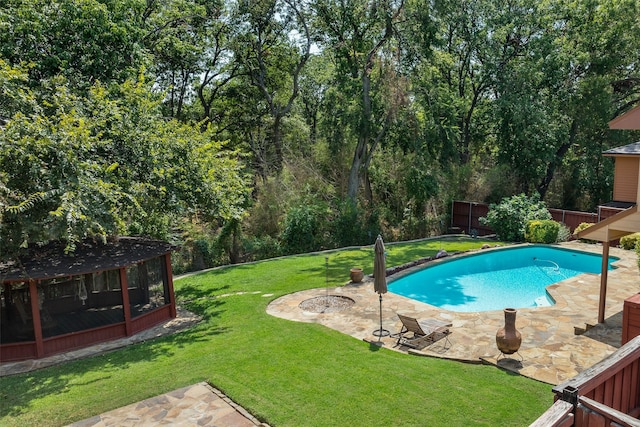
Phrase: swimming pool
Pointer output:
(510, 277)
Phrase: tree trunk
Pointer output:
(277, 143)
(354, 173)
(543, 187)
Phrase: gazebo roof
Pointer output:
(625, 150)
(50, 261)
(628, 120)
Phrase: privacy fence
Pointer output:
(465, 216)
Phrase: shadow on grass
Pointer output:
(17, 392)
(199, 300)
(375, 345)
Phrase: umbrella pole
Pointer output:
(380, 332)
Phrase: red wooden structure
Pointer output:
(631, 318)
(51, 302)
(606, 394)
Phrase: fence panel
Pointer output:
(572, 219)
(466, 215)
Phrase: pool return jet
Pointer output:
(380, 280)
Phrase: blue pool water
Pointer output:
(492, 280)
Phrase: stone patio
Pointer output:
(551, 350)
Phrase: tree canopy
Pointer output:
(236, 127)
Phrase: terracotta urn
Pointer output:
(356, 275)
(508, 338)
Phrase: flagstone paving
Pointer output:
(196, 405)
(551, 351)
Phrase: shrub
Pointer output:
(630, 241)
(582, 226)
(264, 247)
(353, 225)
(564, 233)
(509, 217)
(304, 228)
(541, 231)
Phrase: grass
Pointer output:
(285, 373)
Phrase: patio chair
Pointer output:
(418, 333)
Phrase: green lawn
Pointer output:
(285, 373)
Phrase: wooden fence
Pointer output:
(466, 217)
(607, 394)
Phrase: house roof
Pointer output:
(628, 120)
(625, 150)
(614, 227)
(90, 256)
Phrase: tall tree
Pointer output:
(554, 102)
(192, 55)
(359, 36)
(272, 45)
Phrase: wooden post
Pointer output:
(603, 281)
(172, 297)
(35, 316)
(124, 286)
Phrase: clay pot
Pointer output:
(356, 275)
(508, 338)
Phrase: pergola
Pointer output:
(626, 189)
(612, 228)
(52, 302)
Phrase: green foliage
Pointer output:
(541, 231)
(583, 226)
(509, 217)
(439, 101)
(564, 233)
(93, 166)
(630, 241)
(499, 182)
(263, 247)
(353, 225)
(83, 40)
(304, 228)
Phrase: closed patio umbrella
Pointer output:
(380, 280)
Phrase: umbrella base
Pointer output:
(381, 333)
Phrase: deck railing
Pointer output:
(606, 394)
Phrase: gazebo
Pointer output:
(52, 302)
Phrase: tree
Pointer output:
(85, 40)
(357, 34)
(554, 102)
(192, 55)
(272, 45)
(109, 164)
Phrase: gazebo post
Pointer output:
(603, 281)
(126, 307)
(35, 316)
(169, 278)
